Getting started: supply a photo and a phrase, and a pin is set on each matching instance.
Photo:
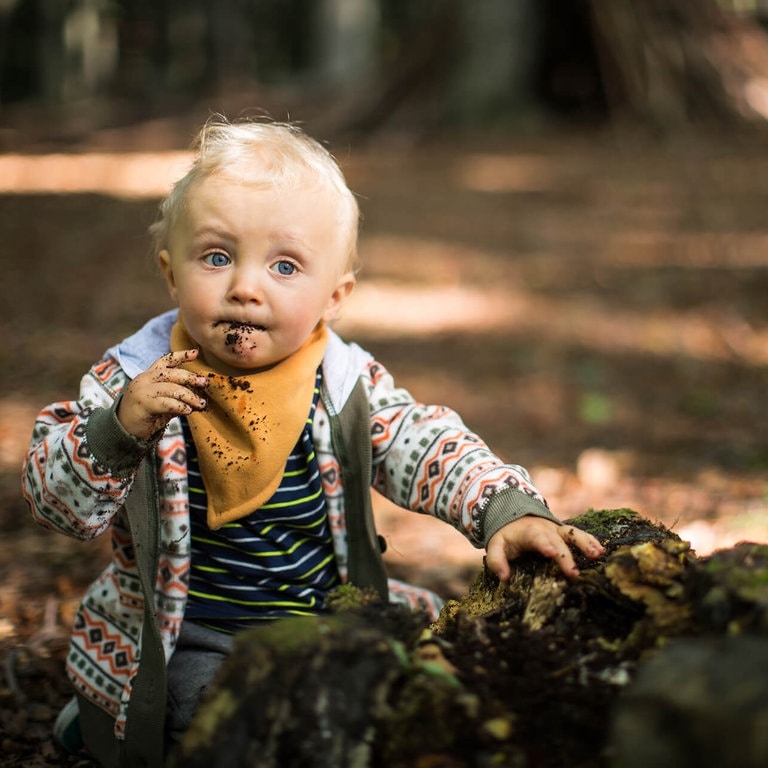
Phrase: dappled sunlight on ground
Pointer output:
(138, 174)
(16, 419)
(506, 173)
(382, 309)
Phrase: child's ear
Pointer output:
(343, 289)
(164, 262)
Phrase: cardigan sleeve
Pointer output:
(427, 460)
(80, 463)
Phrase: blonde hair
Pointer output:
(263, 153)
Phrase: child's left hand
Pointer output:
(537, 534)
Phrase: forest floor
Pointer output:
(594, 308)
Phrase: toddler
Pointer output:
(229, 447)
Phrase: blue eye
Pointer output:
(217, 259)
(285, 268)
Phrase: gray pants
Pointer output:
(198, 655)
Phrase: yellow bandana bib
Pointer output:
(252, 423)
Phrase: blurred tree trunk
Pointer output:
(232, 58)
(345, 41)
(78, 49)
(496, 54)
(50, 50)
(458, 62)
(6, 9)
(671, 63)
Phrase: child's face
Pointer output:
(254, 269)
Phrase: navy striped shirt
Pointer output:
(278, 561)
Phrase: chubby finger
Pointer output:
(585, 542)
(497, 559)
(180, 379)
(167, 370)
(547, 543)
(178, 398)
(566, 563)
(551, 544)
(175, 359)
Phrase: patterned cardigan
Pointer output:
(81, 469)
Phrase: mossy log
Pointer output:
(541, 671)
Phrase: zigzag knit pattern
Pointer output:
(429, 461)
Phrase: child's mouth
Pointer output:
(237, 332)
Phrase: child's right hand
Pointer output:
(161, 392)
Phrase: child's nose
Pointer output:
(246, 286)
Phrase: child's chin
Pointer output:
(249, 364)
(232, 364)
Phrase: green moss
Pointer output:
(486, 594)
(619, 526)
(742, 571)
(290, 636)
(347, 597)
(432, 700)
(606, 522)
(437, 670)
(209, 719)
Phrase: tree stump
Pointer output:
(541, 671)
(700, 701)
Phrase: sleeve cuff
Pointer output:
(111, 445)
(509, 505)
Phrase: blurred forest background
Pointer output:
(355, 67)
(564, 237)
